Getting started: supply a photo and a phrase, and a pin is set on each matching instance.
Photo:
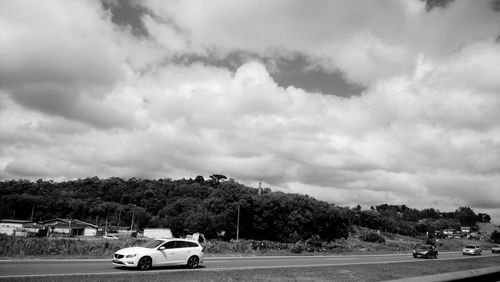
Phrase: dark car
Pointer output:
(425, 251)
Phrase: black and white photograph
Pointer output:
(249, 140)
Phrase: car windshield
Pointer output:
(425, 247)
(152, 244)
(470, 247)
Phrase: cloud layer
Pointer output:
(81, 95)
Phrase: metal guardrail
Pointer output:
(489, 274)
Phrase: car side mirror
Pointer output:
(161, 248)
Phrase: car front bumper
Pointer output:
(420, 254)
(125, 262)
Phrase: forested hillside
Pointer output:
(210, 206)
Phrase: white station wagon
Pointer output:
(161, 252)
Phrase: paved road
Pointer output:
(12, 268)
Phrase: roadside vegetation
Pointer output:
(363, 241)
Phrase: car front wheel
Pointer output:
(145, 263)
(193, 262)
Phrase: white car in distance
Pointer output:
(161, 252)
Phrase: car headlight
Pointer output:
(130, 256)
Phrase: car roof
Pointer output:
(176, 239)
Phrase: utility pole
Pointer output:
(132, 223)
(238, 224)
(119, 214)
(32, 212)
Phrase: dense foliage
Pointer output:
(495, 237)
(207, 206)
(403, 220)
(211, 206)
(374, 238)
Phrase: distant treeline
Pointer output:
(211, 206)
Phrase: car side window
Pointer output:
(180, 244)
(169, 245)
(192, 245)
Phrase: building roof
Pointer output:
(67, 221)
(18, 221)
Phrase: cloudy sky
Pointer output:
(352, 102)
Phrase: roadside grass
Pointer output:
(32, 247)
(367, 272)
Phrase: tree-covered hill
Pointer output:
(211, 206)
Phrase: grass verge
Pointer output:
(370, 272)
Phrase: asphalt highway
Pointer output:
(48, 267)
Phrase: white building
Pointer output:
(18, 227)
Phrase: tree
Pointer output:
(495, 237)
(199, 179)
(482, 217)
(141, 218)
(217, 178)
(466, 216)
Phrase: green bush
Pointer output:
(297, 248)
(374, 238)
(495, 237)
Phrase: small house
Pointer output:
(465, 229)
(70, 227)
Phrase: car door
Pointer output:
(173, 252)
(183, 251)
(160, 255)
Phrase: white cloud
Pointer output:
(367, 41)
(61, 58)
(81, 96)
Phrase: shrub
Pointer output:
(374, 238)
(297, 248)
(315, 242)
(495, 237)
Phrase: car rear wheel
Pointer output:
(193, 262)
(145, 263)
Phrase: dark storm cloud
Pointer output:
(293, 69)
(127, 13)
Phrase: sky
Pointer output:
(350, 102)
